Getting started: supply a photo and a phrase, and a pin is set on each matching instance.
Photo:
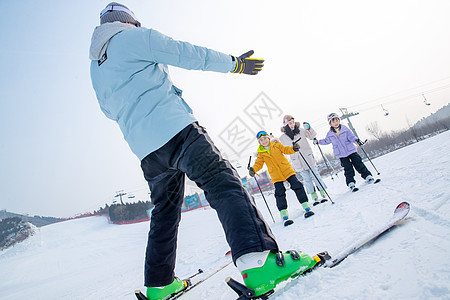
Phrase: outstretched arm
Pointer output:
(325, 141)
(165, 50)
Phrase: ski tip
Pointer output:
(402, 206)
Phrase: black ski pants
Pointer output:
(354, 160)
(280, 192)
(191, 152)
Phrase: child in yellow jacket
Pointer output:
(280, 170)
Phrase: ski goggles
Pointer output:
(261, 133)
(287, 119)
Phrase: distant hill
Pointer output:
(14, 230)
(37, 221)
(441, 116)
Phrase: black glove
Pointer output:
(315, 141)
(251, 172)
(247, 65)
(296, 147)
(359, 142)
(306, 125)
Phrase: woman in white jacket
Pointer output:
(291, 133)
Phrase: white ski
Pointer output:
(399, 213)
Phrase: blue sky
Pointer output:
(60, 156)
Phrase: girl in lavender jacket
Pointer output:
(344, 148)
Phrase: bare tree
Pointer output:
(412, 130)
(374, 130)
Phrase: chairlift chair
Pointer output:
(386, 112)
(425, 101)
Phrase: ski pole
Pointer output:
(320, 183)
(176, 296)
(378, 173)
(248, 167)
(200, 271)
(308, 128)
(326, 162)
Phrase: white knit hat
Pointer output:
(116, 12)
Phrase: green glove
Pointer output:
(247, 65)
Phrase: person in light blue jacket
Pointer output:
(344, 148)
(131, 80)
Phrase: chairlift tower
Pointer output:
(347, 115)
(120, 194)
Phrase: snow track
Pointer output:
(91, 259)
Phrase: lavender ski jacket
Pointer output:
(343, 142)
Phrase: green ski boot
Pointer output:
(315, 198)
(307, 208)
(324, 196)
(285, 217)
(164, 292)
(277, 267)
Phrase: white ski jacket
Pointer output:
(305, 149)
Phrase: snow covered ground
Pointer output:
(91, 259)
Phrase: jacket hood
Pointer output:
(262, 149)
(275, 140)
(283, 129)
(101, 36)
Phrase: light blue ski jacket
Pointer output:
(131, 80)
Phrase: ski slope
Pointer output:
(91, 259)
